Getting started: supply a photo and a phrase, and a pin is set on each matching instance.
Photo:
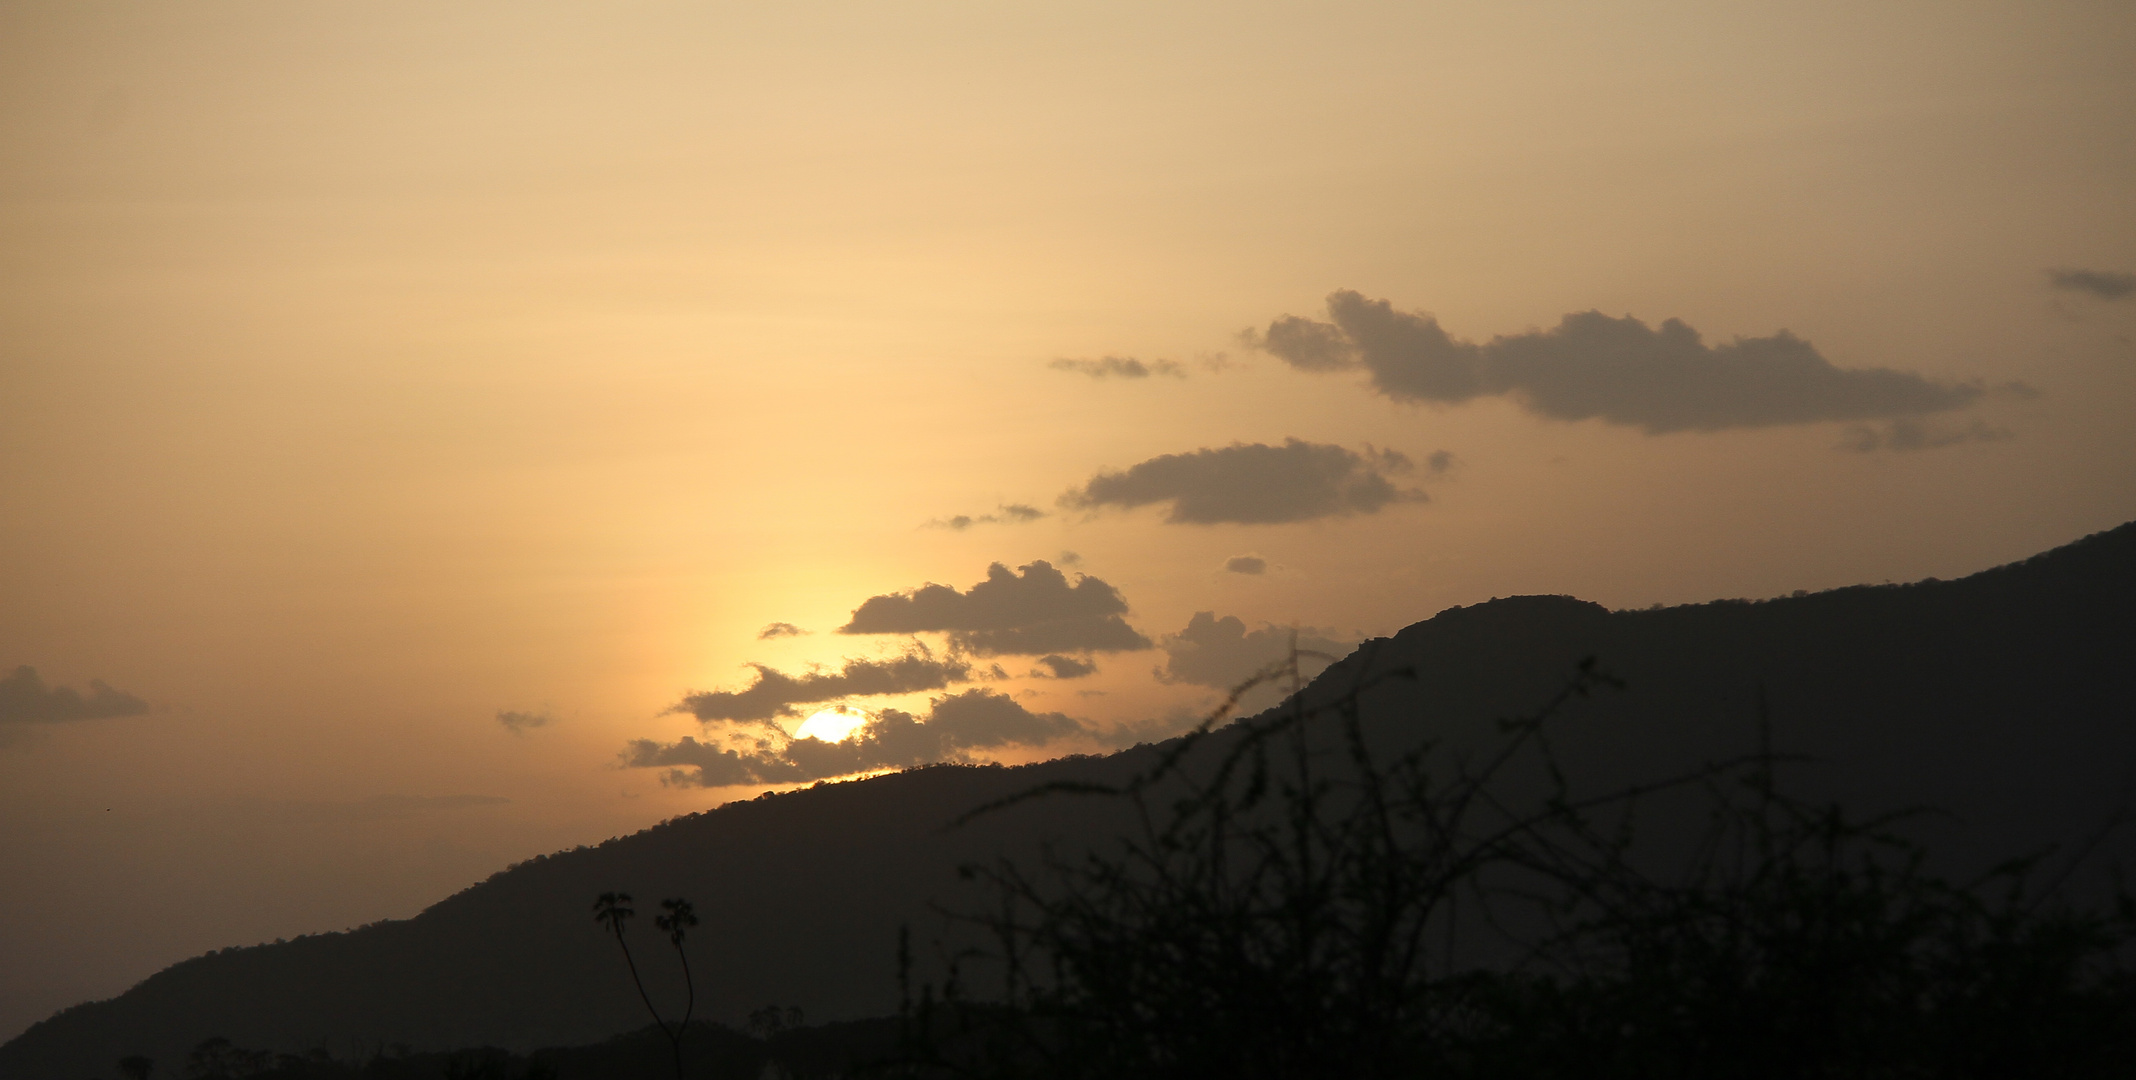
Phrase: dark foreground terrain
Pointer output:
(715, 1052)
(2002, 700)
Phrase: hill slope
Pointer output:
(2000, 697)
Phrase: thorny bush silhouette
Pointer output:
(1296, 903)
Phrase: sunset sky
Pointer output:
(416, 420)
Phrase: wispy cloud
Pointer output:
(779, 630)
(2104, 284)
(24, 699)
(1120, 367)
(519, 723)
(1062, 667)
(1254, 484)
(1905, 435)
(1008, 514)
(1222, 653)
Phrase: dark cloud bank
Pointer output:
(955, 725)
(24, 698)
(1030, 611)
(1593, 366)
(1254, 484)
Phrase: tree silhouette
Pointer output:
(613, 910)
(136, 1066)
(217, 1057)
(677, 921)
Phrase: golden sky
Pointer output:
(404, 407)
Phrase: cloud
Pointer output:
(703, 764)
(1904, 435)
(775, 693)
(985, 719)
(2104, 284)
(24, 698)
(1108, 634)
(955, 725)
(1009, 514)
(1221, 653)
(1254, 484)
(1063, 667)
(1592, 366)
(779, 630)
(1030, 611)
(1439, 462)
(1124, 367)
(1305, 344)
(1155, 729)
(1246, 564)
(519, 723)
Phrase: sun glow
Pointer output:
(831, 725)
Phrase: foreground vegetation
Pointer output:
(1300, 903)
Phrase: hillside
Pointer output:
(1999, 698)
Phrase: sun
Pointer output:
(831, 725)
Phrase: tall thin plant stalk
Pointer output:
(614, 910)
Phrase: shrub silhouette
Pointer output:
(1297, 901)
(217, 1057)
(771, 1021)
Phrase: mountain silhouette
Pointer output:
(1999, 699)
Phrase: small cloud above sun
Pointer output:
(831, 725)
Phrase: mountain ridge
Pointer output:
(1995, 695)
